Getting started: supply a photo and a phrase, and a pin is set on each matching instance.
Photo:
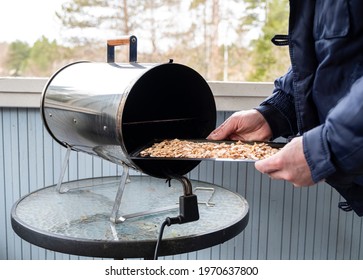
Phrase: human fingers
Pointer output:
(223, 131)
(296, 177)
(234, 127)
(275, 171)
(215, 134)
(288, 164)
(268, 166)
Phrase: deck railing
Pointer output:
(285, 222)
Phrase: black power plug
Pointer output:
(188, 212)
(188, 208)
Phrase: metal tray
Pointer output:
(136, 154)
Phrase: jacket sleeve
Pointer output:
(279, 108)
(337, 145)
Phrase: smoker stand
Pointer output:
(78, 221)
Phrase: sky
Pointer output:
(29, 20)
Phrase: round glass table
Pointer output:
(78, 221)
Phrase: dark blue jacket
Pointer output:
(321, 96)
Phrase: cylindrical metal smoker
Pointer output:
(112, 109)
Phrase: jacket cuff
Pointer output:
(278, 123)
(317, 153)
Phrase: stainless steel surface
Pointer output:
(118, 199)
(82, 104)
(63, 171)
(109, 109)
(170, 208)
(208, 202)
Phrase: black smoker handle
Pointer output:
(127, 40)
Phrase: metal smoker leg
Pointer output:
(116, 206)
(116, 218)
(63, 188)
(63, 171)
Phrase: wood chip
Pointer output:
(188, 149)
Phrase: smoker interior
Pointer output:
(169, 101)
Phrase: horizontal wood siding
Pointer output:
(285, 222)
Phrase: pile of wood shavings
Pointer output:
(188, 149)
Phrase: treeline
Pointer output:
(222, 40)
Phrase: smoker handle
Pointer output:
(127, 40)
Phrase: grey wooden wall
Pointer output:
(285, 222)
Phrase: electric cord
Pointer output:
(188, 212)
(168, 222)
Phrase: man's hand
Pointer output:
(245, 126)
(288, 164)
